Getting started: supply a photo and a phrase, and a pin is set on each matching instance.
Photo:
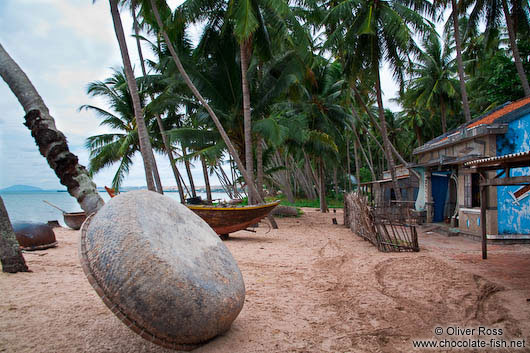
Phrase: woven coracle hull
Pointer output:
(34, 236)
(161, 269)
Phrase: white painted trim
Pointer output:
(471, 210)
(508, 236)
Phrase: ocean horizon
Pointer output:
(29, 206)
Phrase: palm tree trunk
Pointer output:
(348, 171)
(51, 142)
(322, 174)
(417, 131)
(442, 112)
(206, 180)
(159, 122)
(515, 50)
(10, 254)
(310, 181)
(206, 106)
(357, 166)
(156, 176)
(259, 167)
(335, 182)
(145, 144)
(247, 123)
(311, 171)
(465, 103)
(367, 158)
(384, 134)
(188, 171)
(374, 122)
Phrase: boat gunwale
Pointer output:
(240, 208)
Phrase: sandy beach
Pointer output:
(311, 286)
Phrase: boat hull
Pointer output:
(225, 220)
(74, 220)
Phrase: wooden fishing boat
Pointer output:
(74, 220)
(225, 220)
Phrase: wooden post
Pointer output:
(483, 204)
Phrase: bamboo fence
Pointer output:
(390, 228)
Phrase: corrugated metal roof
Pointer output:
(493, 160)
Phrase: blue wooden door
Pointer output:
(440, 182)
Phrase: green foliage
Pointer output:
(301, 202)
(365, 174)
(495, 83)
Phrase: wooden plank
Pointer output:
(520, 180)
(483, 205)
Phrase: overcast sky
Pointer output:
(62, 45)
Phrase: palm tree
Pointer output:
(51, 142)
(167, 146)
(246, 19)
(493, 10)
(370, 31)
(412, 114)
(145, 145)
(318, 111)
(201, 99)
(456, 10)
(432, 85)
(110, 148)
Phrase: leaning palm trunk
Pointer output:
(304, 180)
(515, 50)
(311, 172)
(378, 127)
(357, 165)
(443, 116)
(384, 134)
(322, 174)
(281, 178)
(206, 180)
(196, 93)
(246, 174)
(367, 158)
(165, 140)
(51, 142)
(465, 103)
(143, 137)
(259, 167)
(188, 171)
(10, 254)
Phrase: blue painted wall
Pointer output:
(513, 218)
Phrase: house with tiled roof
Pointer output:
(449, 191)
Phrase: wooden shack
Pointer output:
(450, 192)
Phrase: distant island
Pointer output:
(21, 188)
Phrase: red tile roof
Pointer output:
(490, 118)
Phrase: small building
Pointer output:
(383, 189)
(450, 192)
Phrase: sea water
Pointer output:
(30, 206)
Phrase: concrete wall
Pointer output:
(478, 146)
(469, 217)
(514, 214)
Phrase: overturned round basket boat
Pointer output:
(34, 236)
(161, 270)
